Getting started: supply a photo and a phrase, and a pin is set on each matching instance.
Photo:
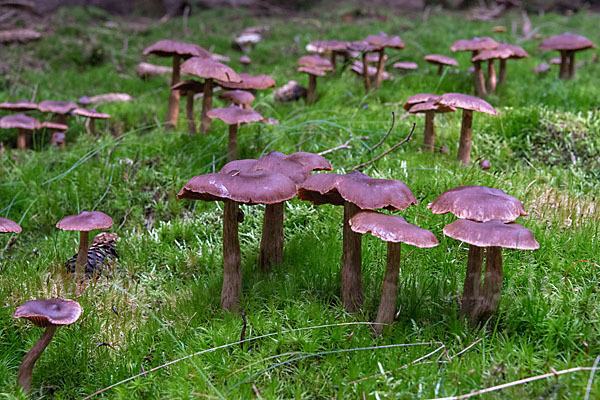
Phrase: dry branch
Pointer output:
(385, 153)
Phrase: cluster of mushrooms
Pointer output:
(26, 125)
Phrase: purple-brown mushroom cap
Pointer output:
(440, 59)
(237, 96)
(566, 41)
(467, 102)
(19, 106)
(392, 228)
(234, 115)
(419, 98)
(19, 121)
(315, 62)
(46, 312)
(57, 107)
(492, 234)
(91, 113)
(475, 44)
(255, 82)
(85, 221)
(208, 68)
(170, 48)
(9, 226)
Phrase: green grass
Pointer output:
(161, 301)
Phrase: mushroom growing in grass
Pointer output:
(24, 125)
(249, 82)
(394, 230)
(19, 106)
(210, 70)
(357, 67)
(381, 42)
(178, 50)
(441, 61)
(476, 45)
(490, 56)
(297, 167)
(237, 187)
(84, 223)
(364, 49)
(355, 191)
(9, 226)
(311, 94)
(514, 53)
(429, 108)
(567, 44)
(241, 98)
(58, 138)
(189, 89)
(234, 116)
(44, 313)
(468, 105)
(92, 115)
(334, 47)
(405, 66)
(245, 61)
(59, 108)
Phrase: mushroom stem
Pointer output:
(311, 95)
(380, 67)
(571, 63)
(502, 72)
(92, 126)
(479, 79)
(26, 368)
(366, 72)
(21, 139)
(564, 65)
(352, 291)
(189, 108)
(464, 146)
(429, 139)
(61, 119)
(206, 105)
(440, 69)
(491, 76)
(82, 255)
(232, 258)
(333, 59)
(173, 108)
(232, 147)
(271, 242)
(389, 291)
(472, 286)
(492, 285)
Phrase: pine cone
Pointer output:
(102, 249)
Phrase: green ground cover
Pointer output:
(161, 301)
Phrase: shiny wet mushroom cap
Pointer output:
(9, 226)
(478, 203)
(208, 68)
(46, 312)
(54, 126)
(492, 233)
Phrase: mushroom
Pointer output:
(476, 45)
(380, 42)
(92, 116)
(468, 105)
(441, 61)
(394, 230)
(84, 222)
(44, 313)
(209, 70)
(364, 49)
(297, 167)
(567, 44)
(240, 98)
(237, 187)
(249, 82)
(514, 53)
(189, 89)
(9, 226)
(178, 50)
(543, 67)
(334, 47)
(357, 67)
(19, 106)
(245, 61)
(430, 108)
(58, 132)
(59, 108)
(24, 125)
(490, 56)
(311, 94)
(84, 101)
(355, 191)
(234, 116)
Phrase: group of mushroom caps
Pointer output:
(487, 221)
(26, 125)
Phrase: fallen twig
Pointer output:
(388, 132)
(385, 153)
(341, 146)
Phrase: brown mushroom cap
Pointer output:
(392, 228)
(566, 41)
(169, 48)
(9, 226)
(315, 62)
(440, 59)
(515, 52)
(430, 105)
(92, 113)
(234, 115)
(419, 98)
(383, 40)
(245, 60)
(57, 107)
(543, 67)
(55, 126)
(256, 82)
(555, 60)
(312, 71)
(237, 96)
(85, 221)
(374, 58)
(324, 46)
(492, 234)
(46, 312)
(365, 192)
(478, 203)
(19, 106)
(464, 101)
(361, 46)
(84, 101)
(494, 54)
(208, 68)
(255, 187)
(19, 121)
(189, 85)
(475, 44)
(408, 65)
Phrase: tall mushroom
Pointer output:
(209, 70)
(189, 89)
(476, 45)
(441, 61)
(92, 115)
(237, 187)
(59, 108)
(567, 44)
(514, 53)
(178, 50)
(381, 42)
(44, 313)
(234, 116)
(24, 125)
(468, 105)
(355, 191)
(429, 108)
(84, 222)
(394, 230)
(297, 167)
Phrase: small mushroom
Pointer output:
(357, 67)
(84, 222)
(381, 42)
(468, 105)
(188, 89)
(49, 314)
(543, 67)
(24, 125)
(311, 94)
(476, 45)
(430, 108)
(59, 108)
(441, 61)
(84, 101)
(245, 61)
(58, 138)
(234, 116)
(394, 230)
(404, 66)
(514, 53)
(240, 98)
(92, 116)
(363, 48)
(567, 44)
(334, 47)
